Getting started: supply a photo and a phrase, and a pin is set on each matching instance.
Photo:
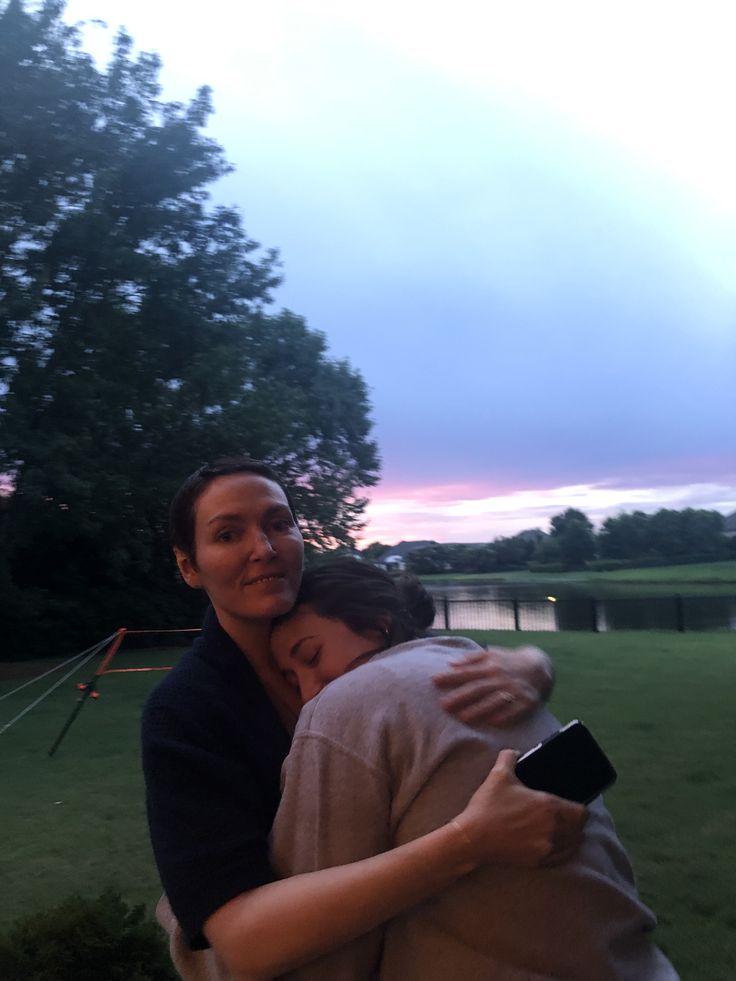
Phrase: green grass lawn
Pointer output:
(75, 822)
(661, 704)
(700, 572)
(695, 579)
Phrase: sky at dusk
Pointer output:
(518, 221)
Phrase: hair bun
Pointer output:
(416, 600)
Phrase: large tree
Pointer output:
(625, 536)
(573, 534)
(136, 340)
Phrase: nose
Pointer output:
(260, 546)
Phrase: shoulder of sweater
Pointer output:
(393, 695)
(422, 657)
(450, 645)
(400, 676)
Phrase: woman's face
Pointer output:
(311, 651)
(249, 550)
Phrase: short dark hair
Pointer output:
(182, 517)
(365, 598)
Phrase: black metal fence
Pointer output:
(587, 613)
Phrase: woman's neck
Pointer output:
(253, 640)
(251, 636)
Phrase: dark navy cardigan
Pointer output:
(213, 746)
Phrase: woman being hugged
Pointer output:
(375, 762)
(217, 729)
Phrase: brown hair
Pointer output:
(365, 598)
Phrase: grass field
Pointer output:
(696, 579)
(661, 703)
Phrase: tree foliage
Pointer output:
(624, 536)
(573, 533)
(496, 556)
(666, 534)
(136, 340)
(373, 551)
(653, 539)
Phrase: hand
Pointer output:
(498, 686)
(506, 823)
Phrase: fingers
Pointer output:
(478, 665)
(509, 824)
(512, 712)
(565, 833)
(564, 822)
(559, 856)
(579, 818)
(480, 690)
(471, 691)
(466, 673)
(492, 709)
(497, 701)
(506, 761)
(565, 843)
(475, 657)
(570, 820)
(493, 652)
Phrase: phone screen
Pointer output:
(569, 764)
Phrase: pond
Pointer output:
(576, 606)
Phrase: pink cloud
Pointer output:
(468, 513)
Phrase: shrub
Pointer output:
(546, 567)
(99, 939)
(647, 562)
(610, 565)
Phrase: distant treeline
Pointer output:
(628, 540)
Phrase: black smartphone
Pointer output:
(569, 763)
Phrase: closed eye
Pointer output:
(308, 657)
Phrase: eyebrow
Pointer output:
(225, 517)
(235, 516)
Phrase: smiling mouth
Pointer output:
(272, 577)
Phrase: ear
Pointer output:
(384, 626)
(188, 569)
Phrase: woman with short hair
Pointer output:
(217, 729)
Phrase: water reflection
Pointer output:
(507, 607)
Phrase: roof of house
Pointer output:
(402, 550)
(532, 534)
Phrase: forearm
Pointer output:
(279, 926)
(284, 924)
